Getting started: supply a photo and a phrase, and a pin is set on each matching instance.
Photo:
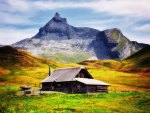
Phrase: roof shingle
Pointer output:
(63, 74)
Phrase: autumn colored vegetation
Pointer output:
(128, 92)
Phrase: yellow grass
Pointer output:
(101, 70)
(3, 71)
(123, 81)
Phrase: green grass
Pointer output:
(68, 58)
(8, 89)
(113, 102)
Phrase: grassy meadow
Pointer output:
(113, 102)
(120, 81)
(128, 92)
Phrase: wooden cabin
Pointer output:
(73, 80)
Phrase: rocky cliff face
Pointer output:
(116, 45)
(58, 37)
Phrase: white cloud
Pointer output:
(139, 38)
(15, 6)
(7, 18)
(138, 8)
(98, 24)
(12, 35)
(129, 8)
(143, 28)
(15, 12)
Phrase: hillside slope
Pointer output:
(19, 67)
(141, 58)
(10, 56)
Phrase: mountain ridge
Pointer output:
(58, 37)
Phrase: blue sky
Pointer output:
(20, 19)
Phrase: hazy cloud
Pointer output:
(143, 28)
(138, 8)
(12, 35)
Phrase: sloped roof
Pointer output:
(63, 74)
(88, 81)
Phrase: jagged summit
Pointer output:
(57, 15)
(57, 28)
(58, 18)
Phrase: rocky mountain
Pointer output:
(60, 41)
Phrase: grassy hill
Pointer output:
(18, 67)
(141, 58)
(75, 57)
(129, 74)
(13, 57)
(101, 64)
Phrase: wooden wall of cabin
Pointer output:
(97, 88)
(79, 88)
(102, 88)
(54, 86)
(47, 86)
(73, 87)
(91, 89)
(68, 87)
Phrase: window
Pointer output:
(58, 84)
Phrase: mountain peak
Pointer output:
(56, 28)
(58, 18)
(57, 15)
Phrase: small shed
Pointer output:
(26, 89)
(73, 80)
